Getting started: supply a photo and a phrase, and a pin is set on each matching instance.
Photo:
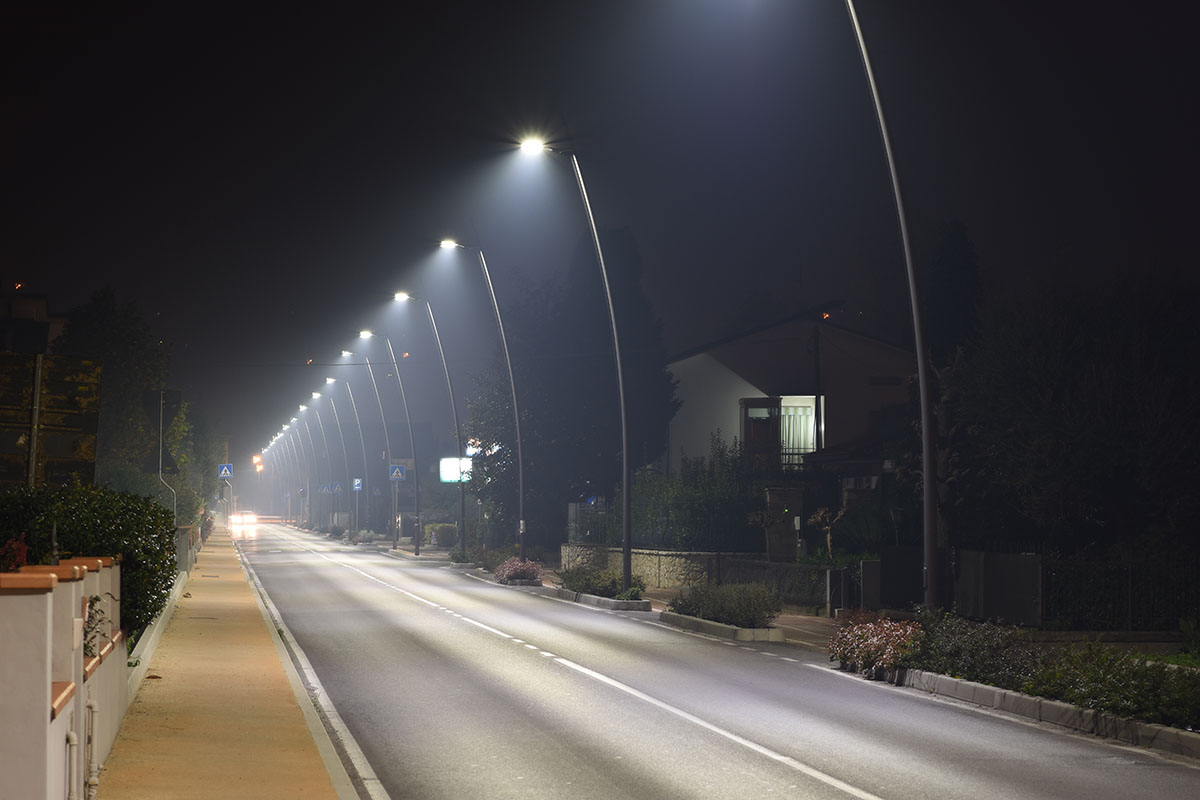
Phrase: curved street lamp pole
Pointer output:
(328, 459)
(362, 444)
(537, 146)
(512, 383)
(387, 442)
(928, 443)
(462, 489)
(312, 448)
(342, 438)
(418, 534)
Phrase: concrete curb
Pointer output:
(721, 630)
(1108, 726)
(144, 650)
(439, 558)
(592, 600)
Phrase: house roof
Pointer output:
(811, 314)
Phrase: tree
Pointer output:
(134, 363)
(561, 346)
(1080, 412)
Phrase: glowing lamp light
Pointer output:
(448, 244)
(303, 407)
(316, 395)
(365, 334)
(330, 380)
(403, 297)
(346, 354)
(532, 146)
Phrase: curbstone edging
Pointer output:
(1056, 712)
(591, 599)
(721, 630)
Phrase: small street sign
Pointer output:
(358, 484)
(397, 472)
(337, 488)
(323, 488)
(377, 493)
(224, 471)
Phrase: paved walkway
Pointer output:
(217, 715)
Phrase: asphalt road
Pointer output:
(454, 687)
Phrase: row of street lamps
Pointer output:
(529, 146)
(536, 146)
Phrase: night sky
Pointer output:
(261, 181)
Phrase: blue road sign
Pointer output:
(397, 473)
(337, 488)
(377, 493)
(225, 470)
(323, 488)
(358, 484)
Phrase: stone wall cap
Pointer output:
(64, 572)
(27, 583)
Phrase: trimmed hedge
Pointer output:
(94, 521)
(744, 605)
(1095, 676)
(598, 582)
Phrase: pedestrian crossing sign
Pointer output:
(397, 472)
(224, 471)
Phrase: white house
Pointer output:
(788, 390)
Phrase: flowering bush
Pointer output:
(879, 644)
(514, 569)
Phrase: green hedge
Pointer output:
(601, 583)
(94, 521)
(1093, 675)
(744, 605)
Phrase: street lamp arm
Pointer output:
(928, 455)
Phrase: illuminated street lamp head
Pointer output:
(316, 395)
(403, 297)
(303, 407)
(346, 354)
(330, 380)
(532, 146)
(449, 244)
(365, 334)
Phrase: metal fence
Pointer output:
(1134, 595)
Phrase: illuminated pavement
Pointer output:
(451, 686)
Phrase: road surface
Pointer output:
(454, 687)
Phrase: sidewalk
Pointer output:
(217, 716)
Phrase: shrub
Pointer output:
(95, 521)
(1094, 676)
(976, 651)
(442, 534)
(490, 558)
(514, 569)
(632, 593)
(744, 605)
(13, 554)
(602, 583)
(875, 644)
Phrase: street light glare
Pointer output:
(365, 334)
(303, 407)
(448, 244)
(346, 354)
(403, 297)
(532, 146)
(316, 395)
(330, 380)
